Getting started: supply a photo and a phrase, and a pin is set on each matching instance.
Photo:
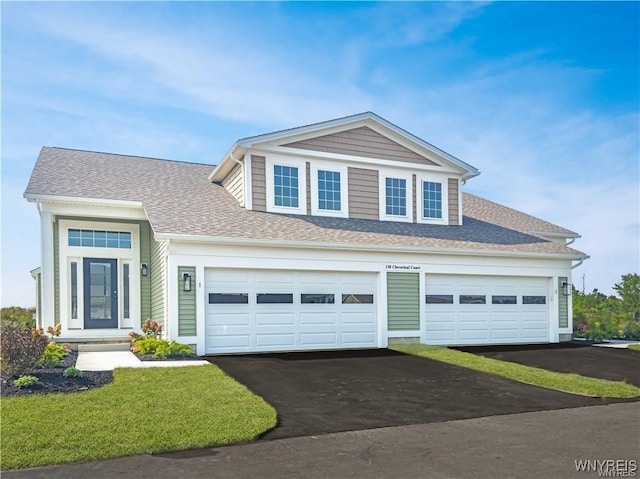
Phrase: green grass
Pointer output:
(570, 383)
(144, 410)
(634, 347)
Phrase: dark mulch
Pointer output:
(317, 393)
(613, 364)
(51, 380)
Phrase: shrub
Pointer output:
(25, 381)
(18, 315)
(21, 348)
(53, 355)
(172, 349)
(146, 345)
(72, 372)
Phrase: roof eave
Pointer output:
(362, 247)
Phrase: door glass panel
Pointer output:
(100, 291)
(125, 290)
(74, 290)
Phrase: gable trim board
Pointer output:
(228, 225)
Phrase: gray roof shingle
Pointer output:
(180, 200)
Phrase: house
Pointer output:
(350, 233)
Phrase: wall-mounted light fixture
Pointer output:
(566, 288)
(144, 269)
(186, 282)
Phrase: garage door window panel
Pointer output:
(534, 300)
(357, 299)
(228, 298)
(504, 300)
(473, 299)
(306, 298)
(439, 299)
(275, 298)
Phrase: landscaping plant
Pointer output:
(53, 355)
(21, 349)
(25, 381)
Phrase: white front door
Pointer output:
(268, 310)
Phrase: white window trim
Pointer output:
(344, 191)
(383, 174)
(270, 162)
(78, 253)
(444, 181)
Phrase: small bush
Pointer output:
(21, 348)
(72, 372)
(25, 381)
(53, 355)
(172, 349)
(146, 345)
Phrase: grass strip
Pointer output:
(569, 383)
(634, 347)
(144, 410)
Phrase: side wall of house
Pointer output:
(234, 184)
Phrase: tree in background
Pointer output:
(597, 316)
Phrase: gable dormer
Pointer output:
(355, 167)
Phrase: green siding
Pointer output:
(403, 301)
(187, 303)
(563, 305)
(56, 272)
(157, 273)
(145, 281)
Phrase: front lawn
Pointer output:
(634, 347)
(144, 410)
(570, 383)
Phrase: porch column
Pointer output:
(48, 278)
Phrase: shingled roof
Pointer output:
(179, 200)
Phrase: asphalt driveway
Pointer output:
(319, 393)
(613, 364)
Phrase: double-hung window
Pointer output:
(285, 184)
(431, 200)
(396, 195)
(328, 189)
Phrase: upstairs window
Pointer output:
(396, 196)
(285, 181)
(329, 190)
(431, 200)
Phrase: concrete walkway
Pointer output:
(109, 360)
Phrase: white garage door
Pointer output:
(266, 310)
(464, 309)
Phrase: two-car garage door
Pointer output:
(267, 310)
(465, 309)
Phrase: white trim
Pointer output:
(31, 197)
(383, 174)
(48, 279)
(270, 162)
(264, 150)
(344, 189)
(444, 182)
(79, 253)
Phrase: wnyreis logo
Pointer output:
(608, 467)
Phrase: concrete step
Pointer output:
(103, 347)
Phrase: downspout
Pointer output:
(571, 241)
(578, 264)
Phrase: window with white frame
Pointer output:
(329, 196)
(433, 194)
(396, 195)
(286, 185)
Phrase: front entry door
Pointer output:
(100, 293)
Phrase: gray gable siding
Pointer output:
(363, 193)
(453, 201)
(258, 187)
(234, 184)
(363, 142)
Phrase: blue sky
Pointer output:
(541, 97)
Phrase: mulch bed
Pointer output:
(51, 380)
